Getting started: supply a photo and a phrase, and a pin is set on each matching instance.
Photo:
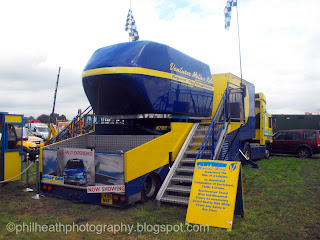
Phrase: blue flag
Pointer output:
(227, 12)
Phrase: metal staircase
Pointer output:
(177, 185)
(72, 129)
(204, 141)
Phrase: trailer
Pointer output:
(156, 108)
(295, 121)
(249, 125)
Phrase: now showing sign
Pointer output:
(106, 189)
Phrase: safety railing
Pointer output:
(221, 118)
(68, 129)
(222, 108)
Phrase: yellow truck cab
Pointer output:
(263, 122)
(30, 144)
(32, 138)
(62, 125)
(55, 130)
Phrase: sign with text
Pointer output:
(215, 193)
(106, 189)
(52, 179)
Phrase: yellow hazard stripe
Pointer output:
(146, 71)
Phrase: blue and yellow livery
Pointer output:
(147, 77)
(250, 128)
(154, 104)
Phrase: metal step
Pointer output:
(203, 129)
(180, 189)
(188, 160)
(205, 123)
(185, 169)
(221, 139)
(187, 179)
(176, 199)
(181, 175)
(199, 136)
(194, 152)
(198, 144)
(206, 153)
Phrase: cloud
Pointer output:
(279, 46)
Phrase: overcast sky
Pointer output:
(280, 46)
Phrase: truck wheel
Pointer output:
(247, 152)
(24, 156)
(304, 152)
(267, 152)
(150, 188)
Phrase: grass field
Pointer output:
(282, 201)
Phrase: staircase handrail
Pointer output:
(176, 163)
(213, 121)
(74, 122)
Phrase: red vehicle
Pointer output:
(304, 143)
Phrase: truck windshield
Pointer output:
(27, 133)
(42, 129)
(61, 127)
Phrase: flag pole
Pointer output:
(130, 9)
(238, 42)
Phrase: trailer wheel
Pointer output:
(304, 152)
(247, 152)
(150, 188)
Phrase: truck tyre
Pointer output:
(247, 152)
(150, 188)
(24, 156)
(304, 152)
(267, 152)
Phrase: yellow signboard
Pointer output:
(216, 193)
(13, 118)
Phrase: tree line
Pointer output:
(44, 118)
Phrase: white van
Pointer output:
(39, 129)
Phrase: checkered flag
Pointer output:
(227, 12)
(131, 27)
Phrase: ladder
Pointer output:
(177, 185)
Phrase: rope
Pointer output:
(18, 174)
(33, 172)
